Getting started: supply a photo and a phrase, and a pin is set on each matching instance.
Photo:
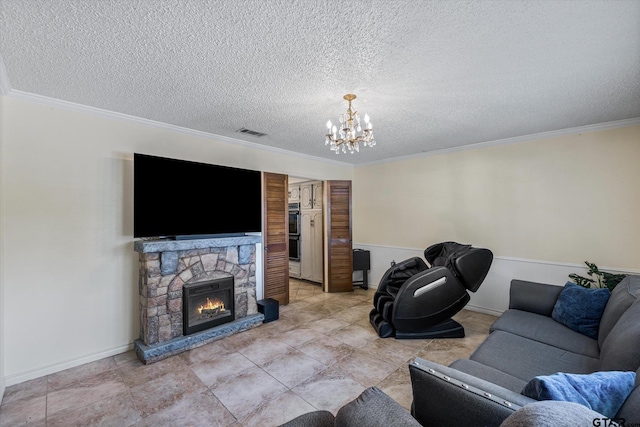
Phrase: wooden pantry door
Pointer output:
(276, 237)
(339, 250)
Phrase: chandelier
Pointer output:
(350, 134)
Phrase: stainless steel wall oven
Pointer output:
(294, 248)
(294, 219)
(294, 231)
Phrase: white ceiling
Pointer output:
(431, 74)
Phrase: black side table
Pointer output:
(361, 262)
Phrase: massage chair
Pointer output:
(414, 300)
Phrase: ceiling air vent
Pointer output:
(250, 132)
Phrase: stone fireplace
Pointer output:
(172, 270)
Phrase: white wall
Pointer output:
(70, 273)
(70, 277)
(2, 318)
(543, 207)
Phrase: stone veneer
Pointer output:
(166, 265)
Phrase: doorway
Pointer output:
(306, 231)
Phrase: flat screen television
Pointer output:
(178, 198)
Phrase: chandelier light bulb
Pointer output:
(350, 133)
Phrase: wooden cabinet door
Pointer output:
(311, 253)
(306, 196)
(306, 246)
(318, 253)
(276, 237)
(317, 195)
(339, 251)
(294, 193)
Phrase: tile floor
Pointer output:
(320, 354)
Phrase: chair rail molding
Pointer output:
(493, 295)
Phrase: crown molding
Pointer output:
(5, 89)
(99, 112)
(524, 138)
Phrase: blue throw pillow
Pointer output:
(603, 392)
(581, 308)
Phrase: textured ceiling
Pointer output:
(431, 74)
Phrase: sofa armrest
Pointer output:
(444, 396)
(534, 297)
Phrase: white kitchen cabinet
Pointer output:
(311, 245)
(306, 196)
(294, 193)
(317, 195)
(294, 269)
(311, 195)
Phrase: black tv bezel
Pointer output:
(251, 201)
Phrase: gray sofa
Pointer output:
(524, 342)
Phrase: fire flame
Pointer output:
(211, 305)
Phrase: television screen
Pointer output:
(181, 198)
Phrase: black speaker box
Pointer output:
(269, 307)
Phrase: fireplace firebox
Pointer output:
(207, 304)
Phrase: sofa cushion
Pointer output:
(581, 308)
(375, 409)
(604, 392)
(525, 358)
(623, 295)
(487, 373)
(621, 349)
(551, 413)
(546, 330)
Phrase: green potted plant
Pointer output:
(601, 279)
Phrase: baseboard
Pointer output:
(483, 310)
(70, 363)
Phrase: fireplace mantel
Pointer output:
(162, 245)
(167, 265)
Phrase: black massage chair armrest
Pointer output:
(429, 291)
